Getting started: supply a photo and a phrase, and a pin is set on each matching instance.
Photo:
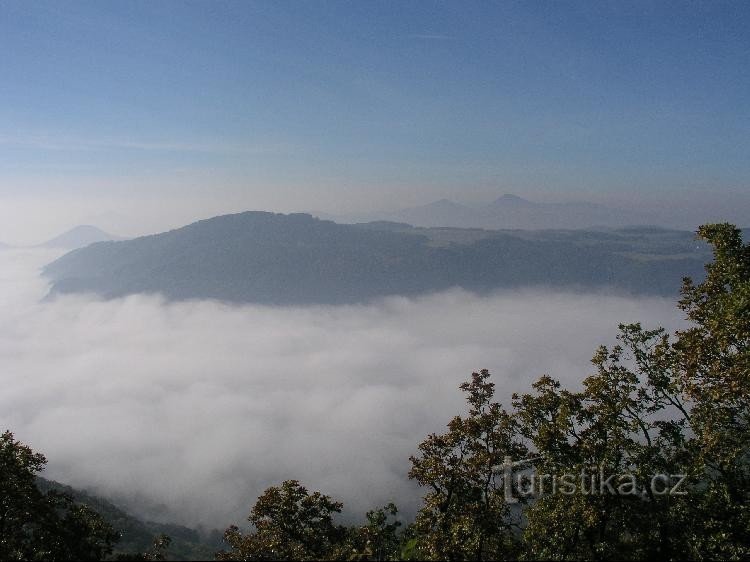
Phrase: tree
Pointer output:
(289, 524)
(656, 405)
(38, 526)
(464, 514)
(611, 439)
(667, 417)
(379, 539)
(158, 551)
(714, 363)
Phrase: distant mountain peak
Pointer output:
(85, 229)
(444, 203)
(510, 198)
(78, 237)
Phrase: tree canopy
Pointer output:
(39, 526)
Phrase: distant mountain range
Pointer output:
(297, 259)
(508, 212)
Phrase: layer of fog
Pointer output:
(186, 411)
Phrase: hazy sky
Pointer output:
(154, 113)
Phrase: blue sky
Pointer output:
(198, 107)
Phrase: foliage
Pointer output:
(137, 536)
(615, 427)
(289, 524)
(157, 551)
(714, 363)
(465, 515)
(379, 539)
(39, 526)
(656, 405)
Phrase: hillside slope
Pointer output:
(297, 259)
(136, 536)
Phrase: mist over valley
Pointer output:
(184, 411)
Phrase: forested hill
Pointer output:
(136, 536)
(298, 259)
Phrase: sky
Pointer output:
(146, 115)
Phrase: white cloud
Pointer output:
(186, 411)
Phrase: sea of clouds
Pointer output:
(186, 411)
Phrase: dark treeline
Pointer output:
(648, 460)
